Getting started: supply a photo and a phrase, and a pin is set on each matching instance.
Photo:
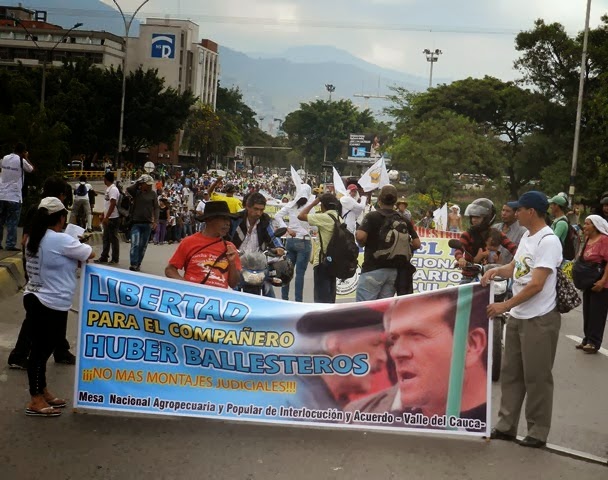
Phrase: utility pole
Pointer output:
(128, 24)
(432, 57)
(579, 106)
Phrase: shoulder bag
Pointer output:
(585, 274)
(566, 298)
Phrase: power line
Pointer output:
(309, 23)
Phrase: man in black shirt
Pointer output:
(143, 214)
(379, 271)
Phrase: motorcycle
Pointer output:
(502, 292)
(259, 267)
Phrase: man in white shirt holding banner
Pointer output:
(533, 325)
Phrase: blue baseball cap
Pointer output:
(532, 199)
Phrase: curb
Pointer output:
(12, 276)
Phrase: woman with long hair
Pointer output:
(52, 258)
(595, 298)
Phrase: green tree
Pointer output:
(153, 112)
(320, 129)
(502, 109)
(203, 133)
(550, 63)
(435, 149)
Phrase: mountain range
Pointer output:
(272, 84)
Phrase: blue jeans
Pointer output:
(9, 216)
(324, 285)
(376, 284)
(140, 236)
(298, 251)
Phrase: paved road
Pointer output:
(106, 446)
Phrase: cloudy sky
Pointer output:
(476, 36)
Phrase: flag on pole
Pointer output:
(440, 216)
(297, 181)
(375, 177)
(339, 187)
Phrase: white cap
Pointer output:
(52, 204)
(146, 179)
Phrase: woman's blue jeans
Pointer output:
(298, 251)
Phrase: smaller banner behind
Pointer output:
(434, 263)
(155, 345)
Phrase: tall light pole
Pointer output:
(579, 106)
(128, 24)
(46, 54)
(331, 89)
(432, 57)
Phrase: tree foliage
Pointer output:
(321, 128)
(434, 149)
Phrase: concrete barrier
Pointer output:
(12, 275)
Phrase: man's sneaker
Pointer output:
(134, 268)
(13, 249)
(66, 359)
(101, 260)
(17, 363)
(113, 262)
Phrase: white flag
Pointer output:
(297, 181)
(375, 177)
(339, 187)
(440, 216)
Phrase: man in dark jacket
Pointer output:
(144, 218)
(252, 231)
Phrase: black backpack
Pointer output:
(81, 190)
(342, 253)
(124, 205)
(394, 241)
(571, 244)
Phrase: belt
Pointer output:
(301, 237)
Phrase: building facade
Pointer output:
(27, 38)
(173, 47)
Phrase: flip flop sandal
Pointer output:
(43, 412)
(56, 403)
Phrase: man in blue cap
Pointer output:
(533, 325)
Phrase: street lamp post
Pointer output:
(579, 106)
(432, 57)
(330, 88)
(128, 24)
(46, 54)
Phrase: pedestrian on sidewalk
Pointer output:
(110, 220)
(14, 168)
(144, 218)
(52, 260)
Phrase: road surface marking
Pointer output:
(603, 351)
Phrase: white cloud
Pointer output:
(273, 25)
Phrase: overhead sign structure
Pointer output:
(163, 45)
